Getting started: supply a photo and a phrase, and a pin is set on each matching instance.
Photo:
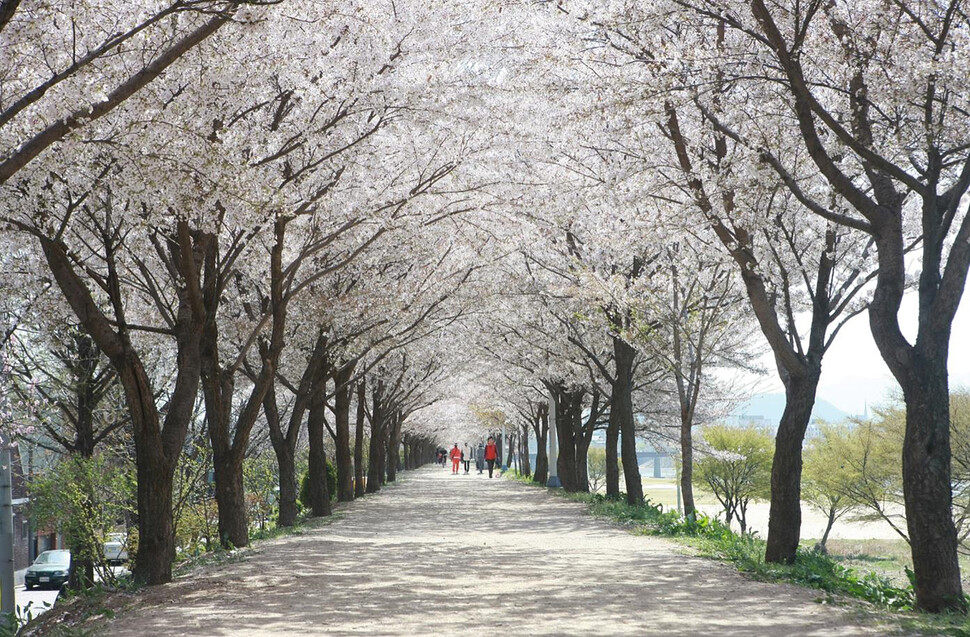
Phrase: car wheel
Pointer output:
(29, 587)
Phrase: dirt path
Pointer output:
(446, 555)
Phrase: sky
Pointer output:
(854, 375)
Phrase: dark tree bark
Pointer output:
(286, 462)
(572, 437)
(342, 399)
(509, 455)
(229, 440)
(359, 486)
(566, 435)
(785, 516)
(394, 453)
(284, 442)
(540, 426)
(613, 452)
(375, 469)
(926, 483)
(525, 463)
(317, 470)
(622, 410)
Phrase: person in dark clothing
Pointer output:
(491, 455)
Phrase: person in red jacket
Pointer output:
(455, 455)
(491, 455)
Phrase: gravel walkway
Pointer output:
(439, 554)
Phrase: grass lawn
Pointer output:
(888, 558)
(664, 491)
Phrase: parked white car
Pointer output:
(116, 549)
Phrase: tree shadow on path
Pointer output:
(441, 554)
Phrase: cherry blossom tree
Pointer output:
(868, 133)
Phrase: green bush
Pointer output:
(304, 497)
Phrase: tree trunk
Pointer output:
(785, 513)
(317, 470)
(612, 451)
(820, 547)
(541, 428)
(927, 490)
(525, 464)
(569, 435)
(393, 445)
(687, 468)
(288, 487)
(284, 443)
(585, 437)
(359, 440)
(566, 460)
(625, 355)
(582, 463)
(230, 441)
(345, 467)
(374, 466)
(510, 454)
(382, 453)
(285, 460)
(231, 501)
(156, 527)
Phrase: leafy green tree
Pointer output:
(734, 463)
(194, 511)
(871, 457)
(86, 498)
(865, 465)
(826, 476)
(596, 473)
(260, 480)
(331, 485)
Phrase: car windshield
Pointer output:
(54, 557)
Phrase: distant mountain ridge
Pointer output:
(768, 409)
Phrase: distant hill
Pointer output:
(767, 409)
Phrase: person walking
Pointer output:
(491, 454)
(466, 457)
(455, 456)
(480, 458)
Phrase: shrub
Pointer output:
(304, 497)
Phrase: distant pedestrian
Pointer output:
(491, 454)
(466, 457)
(455, 456)
(480, 457)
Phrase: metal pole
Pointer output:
(553, 446)
(8, 603)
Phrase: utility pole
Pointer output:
(502, 460)
(8, 603)
(553, 480)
